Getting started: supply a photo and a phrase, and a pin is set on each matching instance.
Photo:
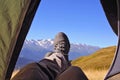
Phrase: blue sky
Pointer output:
(84, 21)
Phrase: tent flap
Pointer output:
(15, 19)
(111, 8)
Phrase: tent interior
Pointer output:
(15, 20)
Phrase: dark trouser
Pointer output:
(49, 70)
(72, 73)
(44, 70)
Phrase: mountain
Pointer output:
(101, 59)
(78, 50)
(34, 50)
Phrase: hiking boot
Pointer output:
(61, 44)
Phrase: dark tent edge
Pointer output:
(21, 37)
(110, 9)
(112, 12)
(115, 57)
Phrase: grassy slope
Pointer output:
(98, 60)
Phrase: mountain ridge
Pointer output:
(41, 47)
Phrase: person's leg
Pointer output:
(31, 72)
(72, 73)
(46, 69)
(51, 66)
(54, 65)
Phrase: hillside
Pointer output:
(98, 60)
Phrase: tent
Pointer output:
(15, 20)
(112, 12)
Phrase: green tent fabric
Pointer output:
(15, 19)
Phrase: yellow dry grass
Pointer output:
(14, 73)
(96, 65)
(95, 74)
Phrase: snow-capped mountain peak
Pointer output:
(38, 48)
(45, 43)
